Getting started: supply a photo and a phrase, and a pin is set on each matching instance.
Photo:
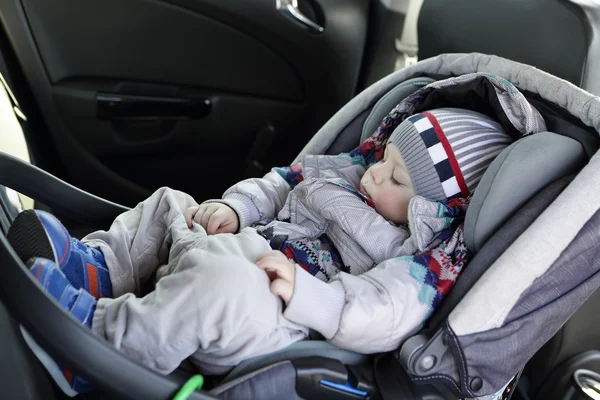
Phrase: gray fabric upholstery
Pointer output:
(275, 382)
(367, 122)
(491, 251)
(515, 176)
(487, 304)
(303, 349)
(389, 101)
(580, 104)
(496, 245)
(541, 310)
(349, 137)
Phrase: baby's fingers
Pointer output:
(283, 268)
(189, 215)
(214, 222)
(207, 214)
(283, 289)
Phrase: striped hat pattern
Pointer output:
(447, 150)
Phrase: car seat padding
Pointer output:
(387, 102)
(519, 171)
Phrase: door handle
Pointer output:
(290, 10)
(111, 106)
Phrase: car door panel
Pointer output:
(269, 82)
(197, 154)
(166, 44)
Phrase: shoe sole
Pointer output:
(28, 237)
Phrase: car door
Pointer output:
(192, 94)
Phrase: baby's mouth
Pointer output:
(364, 192)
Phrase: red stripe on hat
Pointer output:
(448, 149)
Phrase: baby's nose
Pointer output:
(377, 175)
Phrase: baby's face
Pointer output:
(388, 184)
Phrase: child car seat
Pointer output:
(463, 352)
(505, 28)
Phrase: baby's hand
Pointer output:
(214, 218)
(281, 272)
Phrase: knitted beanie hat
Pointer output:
(447, 150)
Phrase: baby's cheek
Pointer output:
(387, 208)
(395, 207)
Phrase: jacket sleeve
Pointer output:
(370, 313)
(376, 311)
(257, 199)
(371, 232)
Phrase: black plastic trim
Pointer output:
(62, 197)
(113, 106)
(320, 378)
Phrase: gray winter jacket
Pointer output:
(389, 292)
(343, 309)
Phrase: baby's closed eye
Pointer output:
(396, 182)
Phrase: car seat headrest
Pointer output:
(387, 102)
(480, 26)
(517, 173)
